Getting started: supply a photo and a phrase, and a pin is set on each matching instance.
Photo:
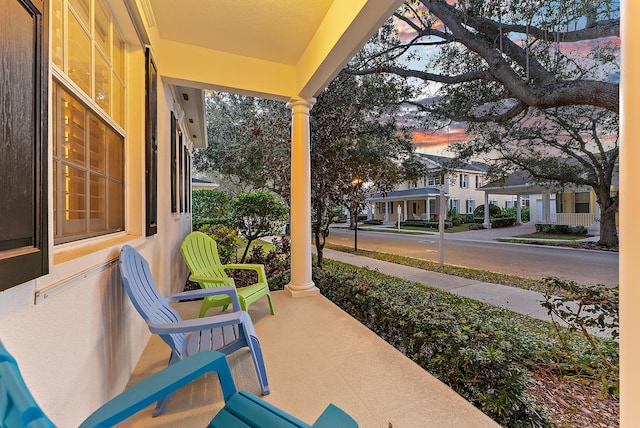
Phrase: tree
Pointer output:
(354, 136)
(257, 214)
(557, 147)
(249, 144)
(494, 59)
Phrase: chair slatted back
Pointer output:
(145, 296)
(200, 252)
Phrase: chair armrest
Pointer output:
(334, 417)
(196, 324)
(205, 292)
(204, 278)
(160, 385)
(262, 277)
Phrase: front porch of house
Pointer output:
(315, 354)
(411, 204)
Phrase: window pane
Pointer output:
(116, 206)
(116, 158)
(97, 203)
(101, 30)
(57, 33)
(73, 143)
(75, 199)
(102, 85)
(117, 55)
(117, 103)
(79, 55)
(97, 135)
(82, 8)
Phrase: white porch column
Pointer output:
(486, 223)
(386, 212)
(427, 209)
(518, 209)
(546, 206)
(301, 281)
(405, 210)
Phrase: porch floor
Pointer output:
(315, 354)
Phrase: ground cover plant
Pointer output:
(485, 353)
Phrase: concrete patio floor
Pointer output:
(315, 354)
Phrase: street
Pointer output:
(587, 267)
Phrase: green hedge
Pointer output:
(561, 229)
(425, 223)
(502, 221)
(474, 348)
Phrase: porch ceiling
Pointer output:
(273, 49)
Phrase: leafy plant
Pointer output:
(494, 210)
(226, 240)
(257, 214)
(207, 203)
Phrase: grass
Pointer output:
(464, 272)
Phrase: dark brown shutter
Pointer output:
(151, 172)
(23, 141)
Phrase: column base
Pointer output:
(304, 290)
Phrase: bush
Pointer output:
(201, 222)
(226, 239)
(467, 218)
(560, 229)
(511, 212)
(210, 203)
(425, 223)
(470, 346)
(494, 211)
(276, 261)
(503, 221)
(456, 220)
(372, 221)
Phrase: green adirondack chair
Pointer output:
(200, 253)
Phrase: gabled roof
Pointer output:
(444, 162)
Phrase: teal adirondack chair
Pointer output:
(19, 409)
(200, 253)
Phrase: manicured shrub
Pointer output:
(425, 223)
(209, 204)
(372, 221)
(226, 240)
(494, 210)
(474, 348)
(502, 221)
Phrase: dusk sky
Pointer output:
(436, 141)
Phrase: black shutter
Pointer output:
(23, 141)
(151, 172)
(174, 169)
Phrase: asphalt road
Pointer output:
(588, 267)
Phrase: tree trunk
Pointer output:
(319, 249)
(246, 250)
(608, 230)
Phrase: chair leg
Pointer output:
(256, 353)
(270, 304)
(162, 403)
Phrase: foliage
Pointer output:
(226, 240)
(476, 349)
(511, 212)
(502, 221)
(356, 147)
(276, 262)
(425, 223)
(494, 210)
(584, 309)
(249, 144)
(494, 59)
(560, 229)
(257, 214)
(373, 221)
(210, 203)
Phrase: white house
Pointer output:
(421, 199)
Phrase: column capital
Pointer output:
(301, 102)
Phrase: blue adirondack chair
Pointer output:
(242, 409)
(226, 332)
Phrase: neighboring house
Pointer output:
(101, 103)
(573, 206)
(198, 184)
(421, 199)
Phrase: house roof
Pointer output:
(443, 161)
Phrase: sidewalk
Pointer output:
(516, 299)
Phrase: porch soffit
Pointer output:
(276, 49)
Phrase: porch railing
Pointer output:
(576, 219)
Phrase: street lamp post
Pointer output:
(355, 183)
